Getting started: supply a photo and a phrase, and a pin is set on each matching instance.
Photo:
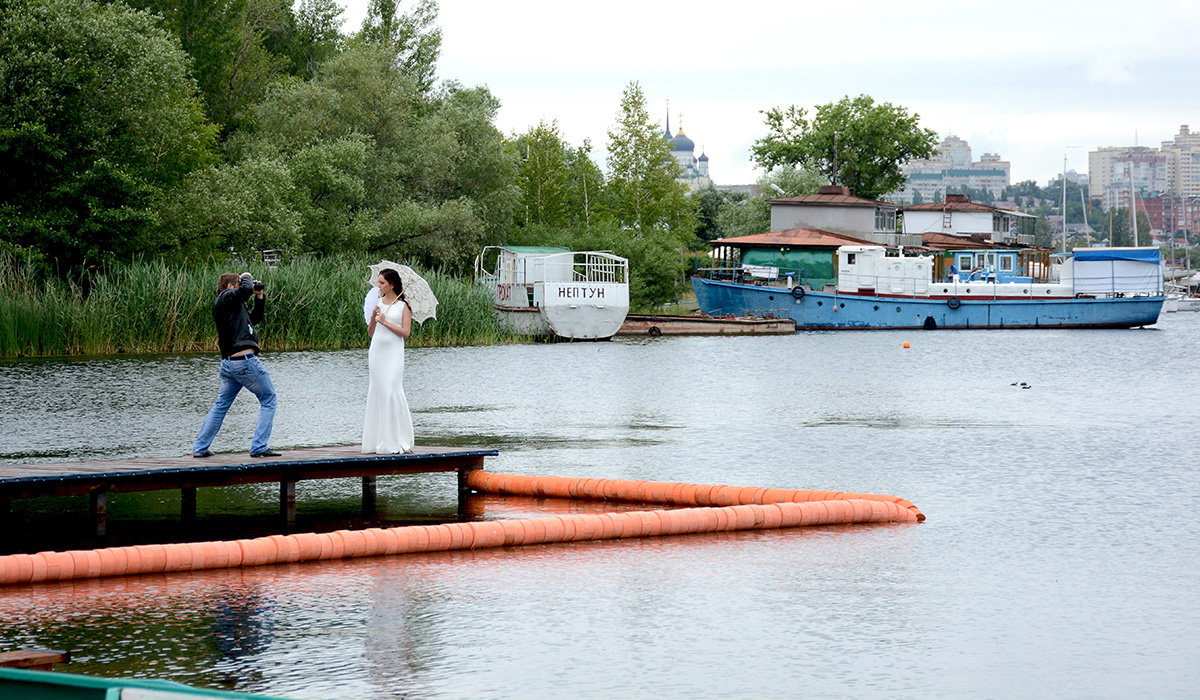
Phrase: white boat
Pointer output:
(1178, 299)
(546, 291)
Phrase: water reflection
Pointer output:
(1059, 553)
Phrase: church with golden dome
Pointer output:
(693, 171)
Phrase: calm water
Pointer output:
(1061, 556)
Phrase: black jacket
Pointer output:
(235, 329)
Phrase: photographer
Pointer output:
(240, 366)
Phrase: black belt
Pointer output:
(241, 357)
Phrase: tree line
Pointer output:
(183, 131)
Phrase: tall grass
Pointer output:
(155, 307)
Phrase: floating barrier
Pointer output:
(714, 509)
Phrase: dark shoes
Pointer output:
(206, 453)
(265, 453)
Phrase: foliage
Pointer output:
(543, 177)
(643, 196)
(100, 121)
(378, 164)
(412, 40)
(315, 36)
(152, 307)
(854, 141)
(744, 215)
(228, 43)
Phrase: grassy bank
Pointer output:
(153, 307)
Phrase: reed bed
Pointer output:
(153, 307)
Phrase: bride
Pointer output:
(388, 428)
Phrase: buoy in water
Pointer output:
(906, 344)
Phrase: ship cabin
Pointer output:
(1020, 266)
(780, 258)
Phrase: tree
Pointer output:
(744, 216)
(316, 36)
(382, 165)
(413, 38)
(228, 42)
(854, 142)
(643, 194)
(543, 176)
(101, 121)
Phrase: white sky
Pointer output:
(1033, 81)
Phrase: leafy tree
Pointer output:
(708, 206)
(380, 164)
(246, 207)
(413, 38)
(543, 176)
(228, 42)
(855, 142)
(316, 36)
(584, 187)
(100, 121)
(744, 216)
(642, 191)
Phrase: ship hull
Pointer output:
(842, 311)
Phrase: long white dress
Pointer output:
(387, 428)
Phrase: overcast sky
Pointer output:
(1032, 81)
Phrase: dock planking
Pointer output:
(186, 473)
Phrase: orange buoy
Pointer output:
(708, 508)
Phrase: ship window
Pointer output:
(1006, 263)
(850, 258)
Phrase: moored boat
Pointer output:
(543, 291)
(1095, 288)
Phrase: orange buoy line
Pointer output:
(772, 510)
(664, 492)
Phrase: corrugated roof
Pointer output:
(792, 238)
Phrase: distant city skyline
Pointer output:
(1032, 81)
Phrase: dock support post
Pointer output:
(287, 503)
(98, 504)
(369, 503)
(464, 490)
(187, 504)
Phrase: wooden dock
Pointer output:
(97, 479)
(655, 325)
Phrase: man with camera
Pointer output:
(240, 366)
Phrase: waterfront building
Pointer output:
(957, 219)
(835, 209)
(952, 168)
(693, 171)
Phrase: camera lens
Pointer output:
(258, 286)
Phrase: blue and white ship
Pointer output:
(874, 288)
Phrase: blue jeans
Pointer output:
(235, 374)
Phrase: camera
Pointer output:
(258, 286)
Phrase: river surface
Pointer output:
(1060, 558)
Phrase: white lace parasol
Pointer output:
(417, 294)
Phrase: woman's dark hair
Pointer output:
(393, 279)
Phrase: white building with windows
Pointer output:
(693, 171)
(951, 168)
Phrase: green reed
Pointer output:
(155, 307)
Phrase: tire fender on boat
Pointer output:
(798, 292)
(654, 331)
(953, 302)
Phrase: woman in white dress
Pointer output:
(388, 428)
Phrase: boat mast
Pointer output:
(1064, 204)
(1132, 206)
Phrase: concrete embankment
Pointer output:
(698, 508)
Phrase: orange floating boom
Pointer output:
(741, 509)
